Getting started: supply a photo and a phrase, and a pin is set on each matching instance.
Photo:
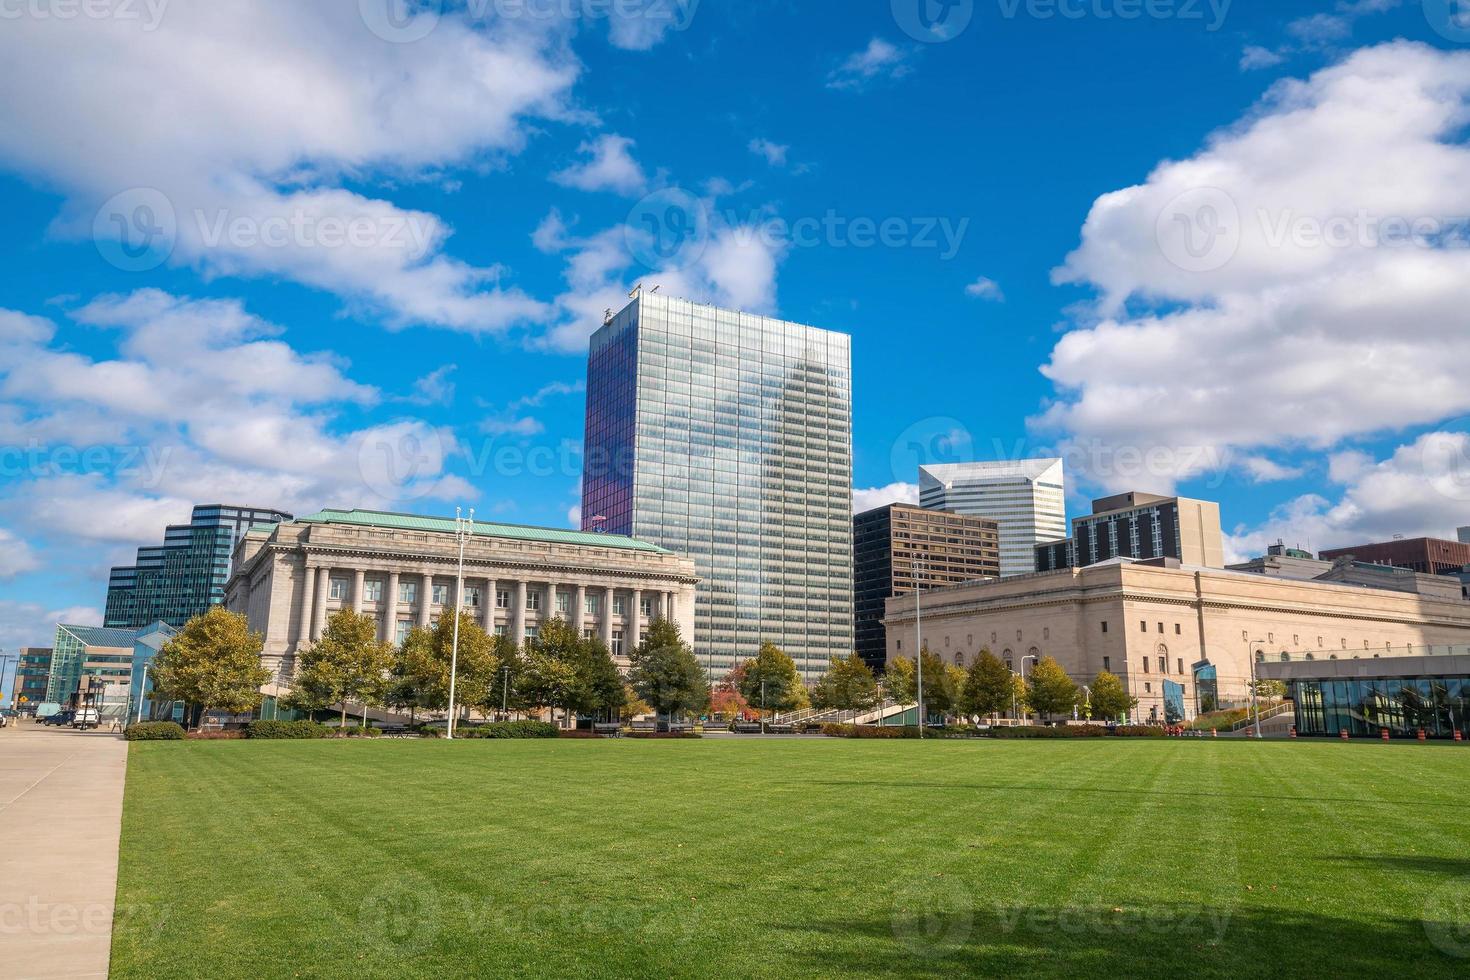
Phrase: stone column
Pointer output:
(635, 621)
(487, 607)
(518, 612)
(579, 607)
(319, 614)
(607, 617)
(671, 608)
(359, 581)
(426, 597)
(389, 609)
(308, 596)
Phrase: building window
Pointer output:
(1181, 665)
(1161, 627)
(337, 589)
(500, 630)
(590, 605)
(959, 660)
(563, 602)
(1178, 630)
(1105, 626)
(1147, 688)
(645, 606)
(532, 632)
(408, 592)
(502, 599)
(533, 599)
(587, 634)
(1108, 664)
(900, 644)
(946, 641)
(1163, 665)
(373, 590)
(617, 643)
(440, 595)
(1142, 626)
(400, 632)
(620, 605)
(471, 598)
(1145, 665)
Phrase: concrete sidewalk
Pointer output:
(61, 795)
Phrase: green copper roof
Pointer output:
(98, 636)
(513, 532)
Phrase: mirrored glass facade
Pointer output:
(727, 437)
(1403, 705)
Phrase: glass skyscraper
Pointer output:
(183, 577)
(727, 437)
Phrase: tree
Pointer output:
(346, 664)
(566, 670)
(770, 681)
(1050, 691)
(665, 674)
(900, 681)
(848, 685)
(989, 687)
(213, 663)
(1110, 699)
(942, 685)
(425, 664)
(726, 700)
(1270, 691)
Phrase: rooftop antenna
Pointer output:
(656, 289)
(607, 316)
(633, 293)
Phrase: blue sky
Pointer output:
(1216, 248)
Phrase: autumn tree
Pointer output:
(770, 681)
(426, 657)
(665, 674)
(1110, 699)
(213, 663)
(848, 685)
(989, 687)
(348, 663)
(1049, 690)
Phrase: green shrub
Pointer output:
(1140, 731)
(1042, 731)
(871, 731)
(304, 728)
(1219, 720)
(663, 735)
(154, 731)
(511, 729)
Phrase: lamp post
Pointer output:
(1023, 669)
(505, 693)
(880, 704)
(1255, 702)
(919, 640)
(142, 691)
(462, 530)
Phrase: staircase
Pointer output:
(816, 716)
(1275, 720)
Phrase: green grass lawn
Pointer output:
(797, 857)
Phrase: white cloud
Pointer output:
(188, 423)
(610, 167)
(434, 388)
(512, 419)
(880, 60)
(985, 288)
(285, 102)
(1254, 56)
(1422, 488)
(1277, 339)
(774, 153)
(16, 556)
(574, 516)
(27, 624)
(638, 25)
(895, 493)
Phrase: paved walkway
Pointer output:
(61, 795)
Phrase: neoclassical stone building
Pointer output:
(401, 569)
(1183, 632)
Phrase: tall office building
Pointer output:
(727, 437)
(32, 673)
(1026, 497)
(184, 576)
(899, 548)
(1140, 526)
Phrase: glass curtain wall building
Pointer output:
(184, 576)
(727, 437)
(1364, 696)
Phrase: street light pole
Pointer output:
(142, 691)
(462, 530)
(919, 639)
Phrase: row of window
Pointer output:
(408, 594)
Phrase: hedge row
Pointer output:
(662, 735)
(286, 729)
(1079, 731)
(154, 731)
(511, 729)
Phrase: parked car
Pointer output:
(60, 718)
(86, 718)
